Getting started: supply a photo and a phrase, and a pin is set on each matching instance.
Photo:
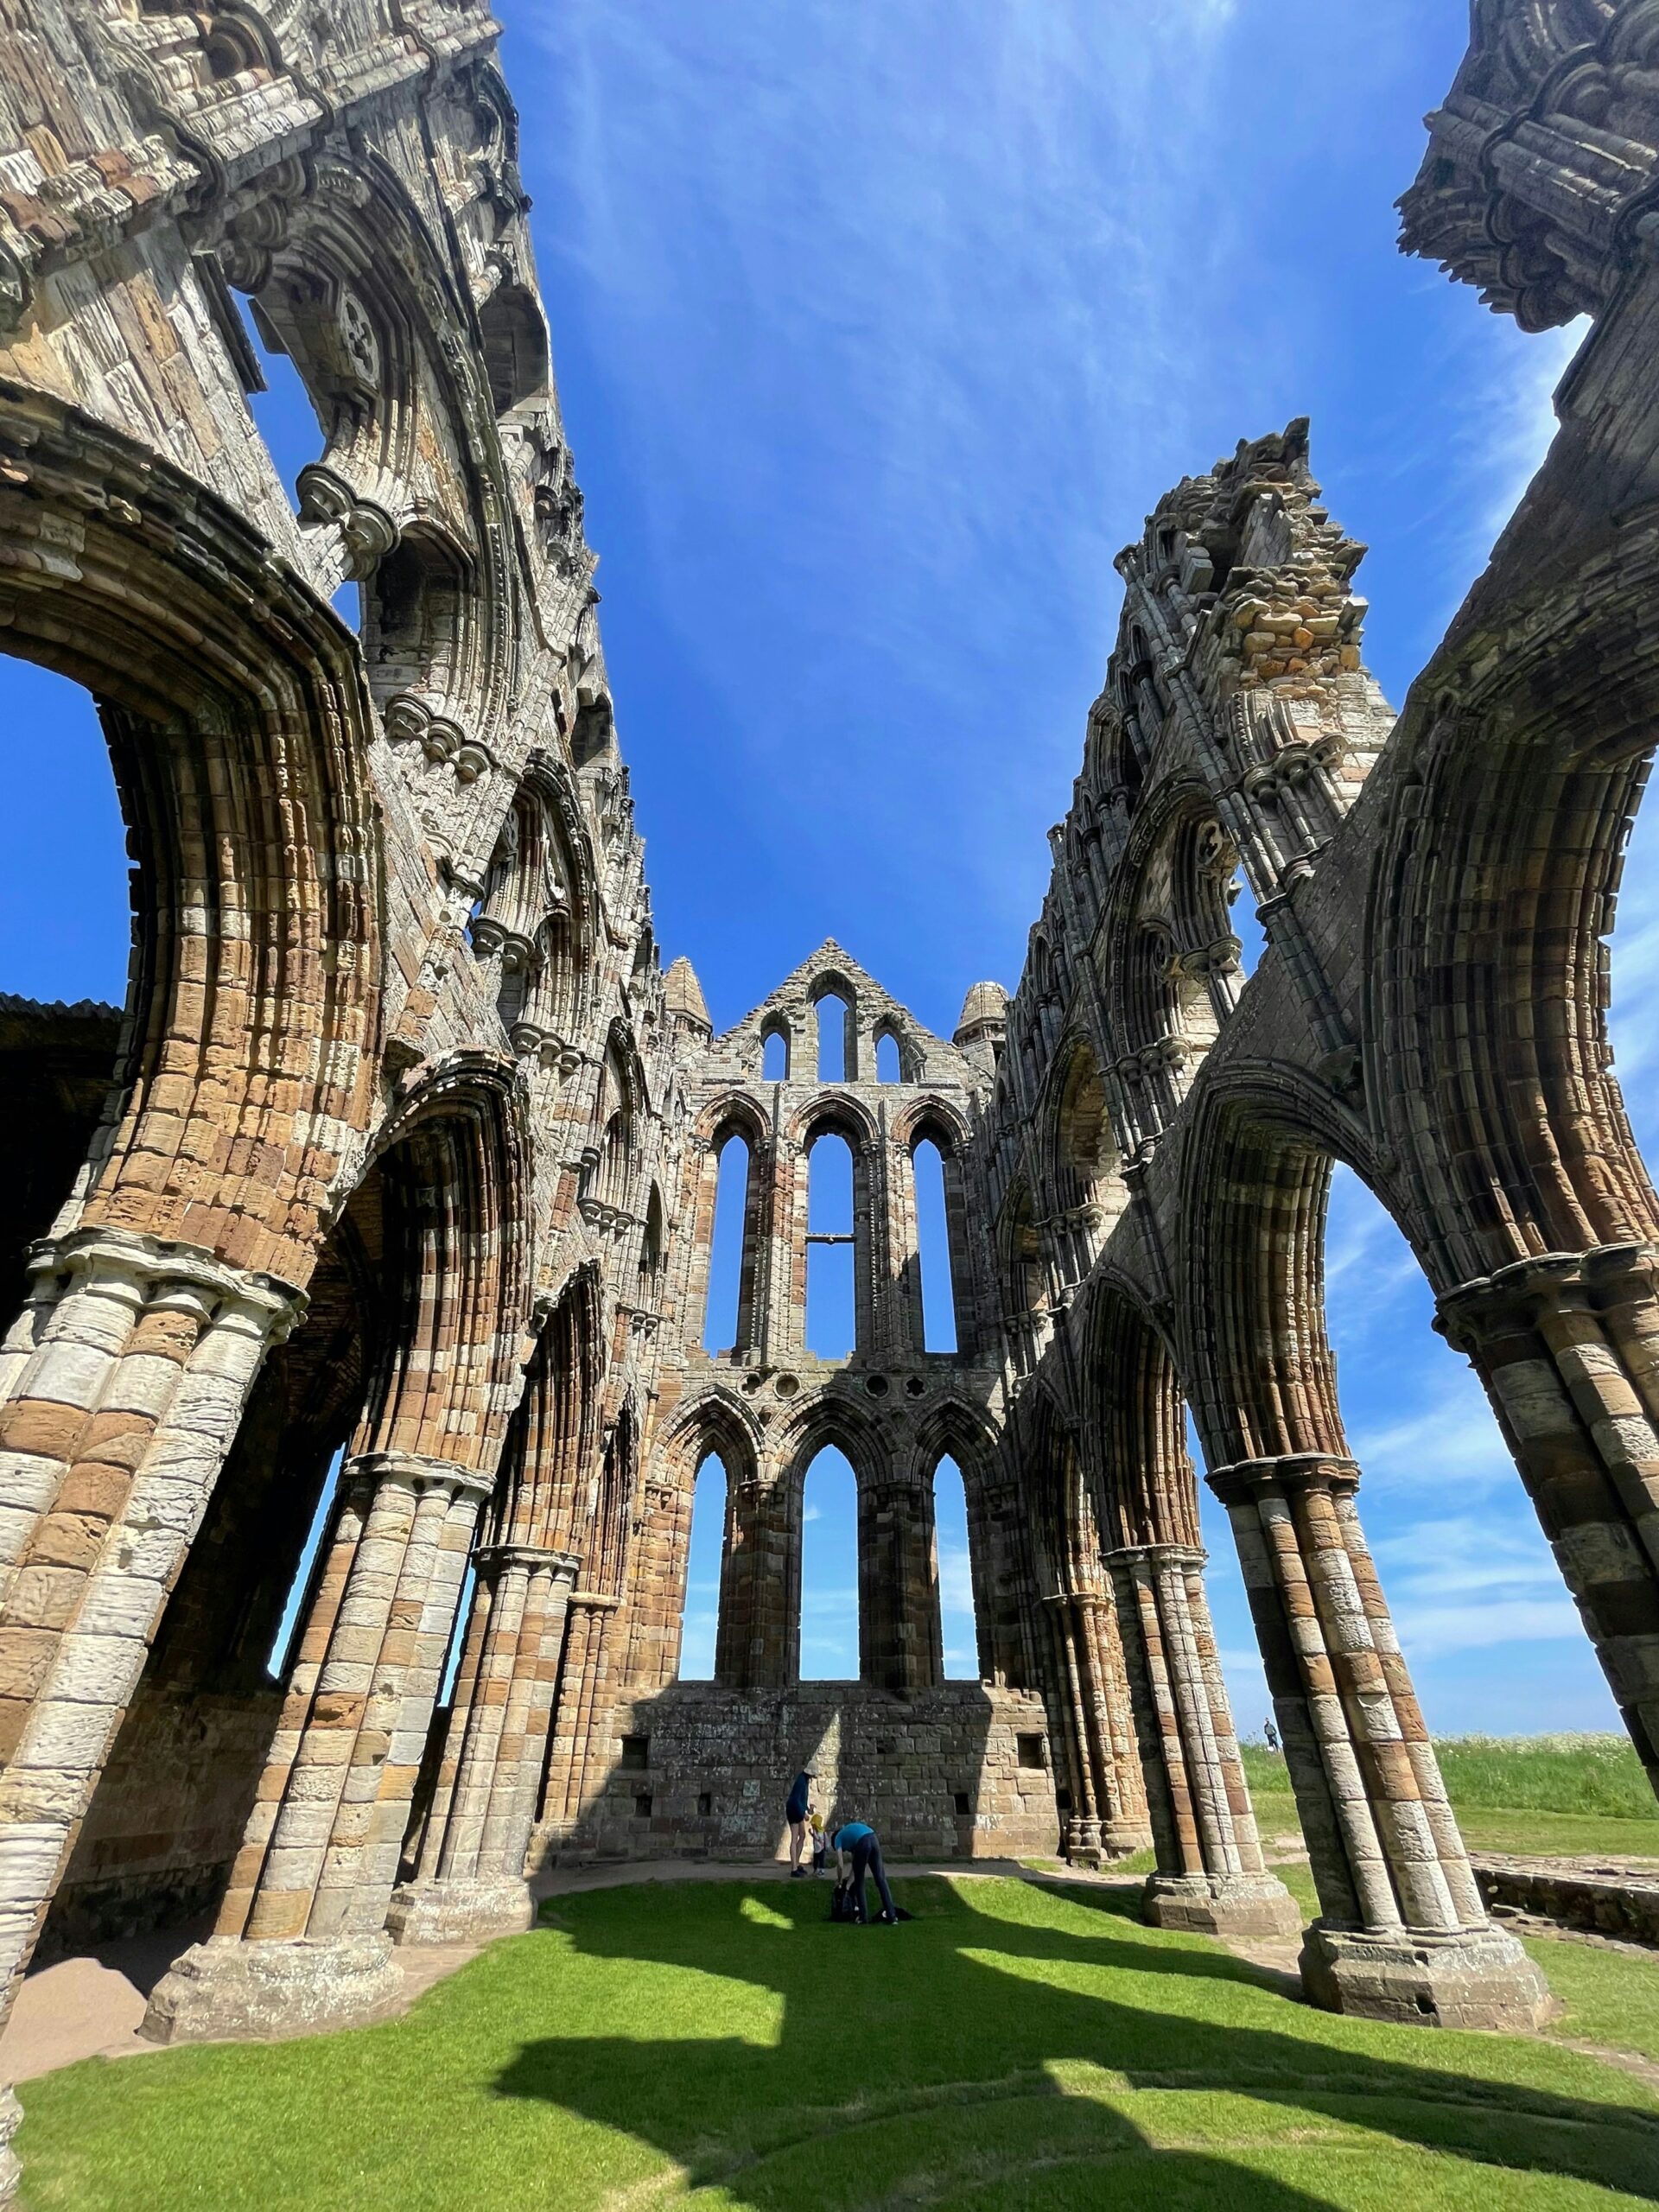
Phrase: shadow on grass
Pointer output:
(949, 2056)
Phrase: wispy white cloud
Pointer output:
(955, 1582)
(1515, 421)
(1452, 1441)
(886, 203)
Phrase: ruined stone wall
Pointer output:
(698, 1770)
(409, 1159)
(170, 1813)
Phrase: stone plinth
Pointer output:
(1239, 1907)
(227, 1987)
(1479, 1978)
(459, 1911)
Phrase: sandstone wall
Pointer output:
(960, 1772)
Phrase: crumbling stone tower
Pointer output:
(385, 1201)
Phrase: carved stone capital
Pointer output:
(417, 1471)
(1248, 1479)
(148, 1271)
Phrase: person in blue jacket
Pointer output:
(797, 1812)
(858, 1853)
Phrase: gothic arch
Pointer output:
(957, 1430)
(717, 1421)
(455, 1166)
(350, 301)
(238, 735)
(621, 1106)
(546, 1463)
(517, 358)
(732, 1113)
(534, 928)
(1168, 960)
(931, 1116)
(1491, 895)
(833, 1112)
(1134, 1424)
(1263, 1376)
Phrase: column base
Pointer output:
(1122, 1839)
(459, 1911)
(229, 1988)
(1239, 1907)
(1473, 1978)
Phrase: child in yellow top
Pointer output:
(820, 1843)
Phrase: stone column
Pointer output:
(784, 1342)
(121, 1388)
(901, 1638)
(1107, 1816)
(1402, 1934)
(581, 1679)
(761, 1577)
(899, 1317)
(471, 1878)
(1210, 1874)
(1567, 1347)
(301, 1938)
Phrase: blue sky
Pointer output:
(878, 332)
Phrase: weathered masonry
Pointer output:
(386, 1202)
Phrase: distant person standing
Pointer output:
(796, 1812)
(1271, 1734)
(858, 1853)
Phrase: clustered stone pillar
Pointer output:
(583, 1682)
(1210, 1874)
(470, 1880)
(1108, 1815)
(301, 1939)
(1402, 1933)
(1568, 1346)
(121, 1387)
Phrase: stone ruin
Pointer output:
(402, 1155)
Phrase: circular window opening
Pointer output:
(876, 1385)
(915, 1387)
(788, 1385)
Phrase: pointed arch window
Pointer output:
(889, 1060)
(953, 1575)
(650, 1244)
(729, 1302)
(774, 1062)
(831, 1248)
(707, 1547)
(938, 1287)
(829, 1577)
(837, 1048)
(615, 1159)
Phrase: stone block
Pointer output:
(230, 1987)
(1238, 1908)
(459, 1911)
(1476, 1978)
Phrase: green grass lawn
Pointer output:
(1563, 1795)
(1014, 2047)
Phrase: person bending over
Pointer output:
(796, 1812)
(858, 1853)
